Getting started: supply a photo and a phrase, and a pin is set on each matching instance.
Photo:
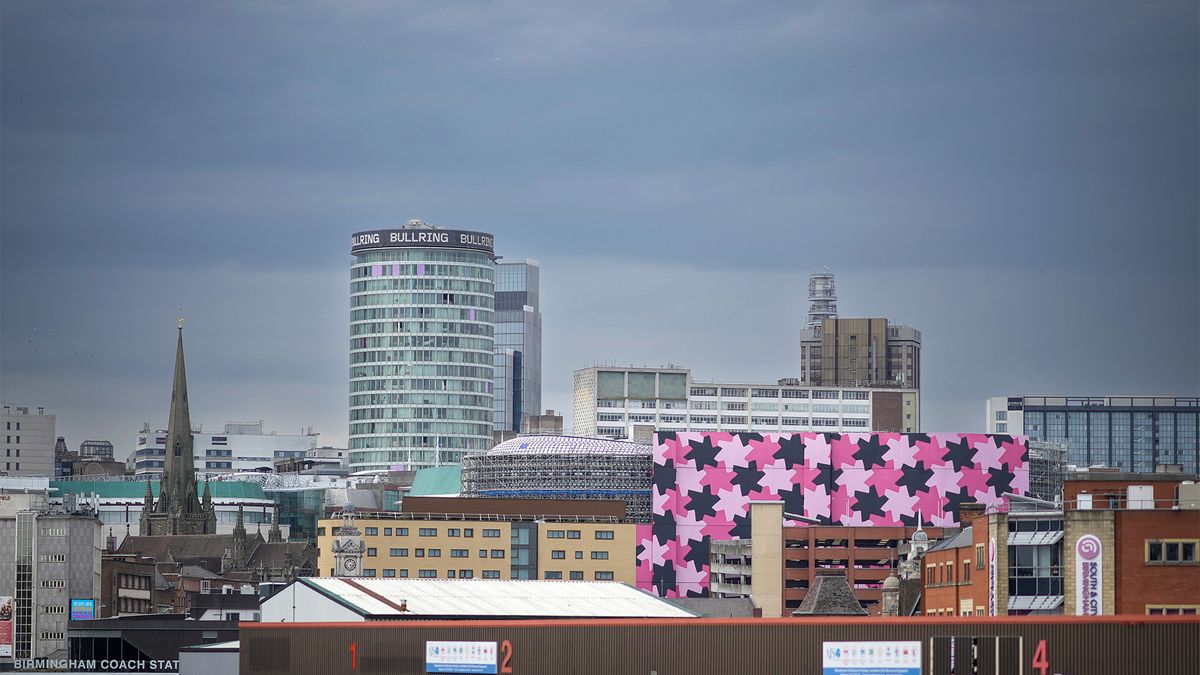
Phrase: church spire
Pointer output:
(179, 510)
(239, 539)
(275, 534)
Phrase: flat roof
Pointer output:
(487, 598)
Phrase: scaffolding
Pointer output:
(822, 298)
(1047, 464)
(563, 467)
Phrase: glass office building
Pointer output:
(1131, 433)
(421, 346)
(518, 358)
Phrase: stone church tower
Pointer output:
(179, 509)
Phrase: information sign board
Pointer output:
(460, 657)
(871, 658)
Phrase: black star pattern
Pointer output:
(664, 436)
(701, 503)
(960, 455)
(869, 503)
(663, 527)
(915, 478)
(791, 450)
(1001, 479)
(698, 553)
(664, 478)
(703, 453)
(793, 500)
(741, 531)
(747, 478)
(663, 578)
(954, 500)
(827, 476)
(870, 451)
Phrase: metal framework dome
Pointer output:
(563, 467)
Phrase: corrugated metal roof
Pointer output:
(481, 598)
(437, 481)
(539, 445)
(137, 489)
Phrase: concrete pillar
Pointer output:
(766, 556)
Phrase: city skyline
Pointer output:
(676, 209)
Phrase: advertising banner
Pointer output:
(83, 608)
(871, 658)
(6, 626)
(992, 576)
(460, 657)
(1089, 575)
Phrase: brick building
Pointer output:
(1121, 544)
(865, 555)
(950, 570)
(1147, 527)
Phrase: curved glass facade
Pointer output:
(421, 351)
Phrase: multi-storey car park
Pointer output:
(421, 346)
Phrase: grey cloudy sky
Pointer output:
(1018, 180)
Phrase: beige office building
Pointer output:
(485, 538)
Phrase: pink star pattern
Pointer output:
(917, 475)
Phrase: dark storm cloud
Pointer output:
(1018, 180)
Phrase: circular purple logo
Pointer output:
(1088, 547)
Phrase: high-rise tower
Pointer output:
(422, 303)
(178, 509)
(518, 362)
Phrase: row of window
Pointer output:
(393, 401)
(437, 553)
(449, 328)
(575, 534)
(577, 575)
(1172, 552)
(418, 356)
(133, 581)
(562, 555)
(421, 255)
(428, 532)
(389, 573)
(740, 392)
(1189, 610)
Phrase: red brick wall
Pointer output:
(876, 560)
(1139, 584)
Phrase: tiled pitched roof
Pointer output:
(830, 595)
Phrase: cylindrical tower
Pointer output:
(822, 298)
(421, 346)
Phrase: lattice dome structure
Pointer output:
(563, 467)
